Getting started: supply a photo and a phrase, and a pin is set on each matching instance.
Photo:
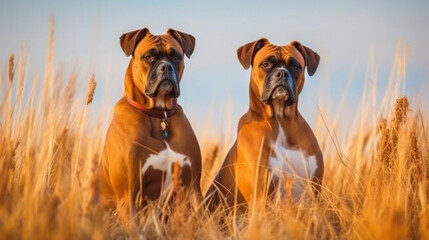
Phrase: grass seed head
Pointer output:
(91, 90)
(11, 69)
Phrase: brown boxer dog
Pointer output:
(274, 142)
(149, 132)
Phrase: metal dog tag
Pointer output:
(164, 126)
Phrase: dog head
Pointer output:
(157, 63)
(277, 76)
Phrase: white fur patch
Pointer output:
(164, 160)
(289, 162)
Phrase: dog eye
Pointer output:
(265, 65)
(149, 58)
(296, 67)
(176, 58)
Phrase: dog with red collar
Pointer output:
(149, 132)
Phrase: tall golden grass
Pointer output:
(375, 185)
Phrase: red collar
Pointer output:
(153, 112)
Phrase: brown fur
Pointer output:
(259, 127)
(134, 135)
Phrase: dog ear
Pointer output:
(185, 40)
(130, 40)
(311, 58)
(246, 52)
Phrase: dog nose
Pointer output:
(280, 73)
(165, 67)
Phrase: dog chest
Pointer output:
(286, 162)
(164, 161)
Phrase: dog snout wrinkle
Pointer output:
(279, 77)
(163, 75)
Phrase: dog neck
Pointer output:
(153, 112)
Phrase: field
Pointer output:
(376, 183)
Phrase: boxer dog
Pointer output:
(149, 133)
(274, 142)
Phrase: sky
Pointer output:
(352, 38)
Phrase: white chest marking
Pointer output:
(291, 162)
(164, 160)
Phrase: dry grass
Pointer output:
(376, 184)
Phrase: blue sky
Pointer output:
(344, 33)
